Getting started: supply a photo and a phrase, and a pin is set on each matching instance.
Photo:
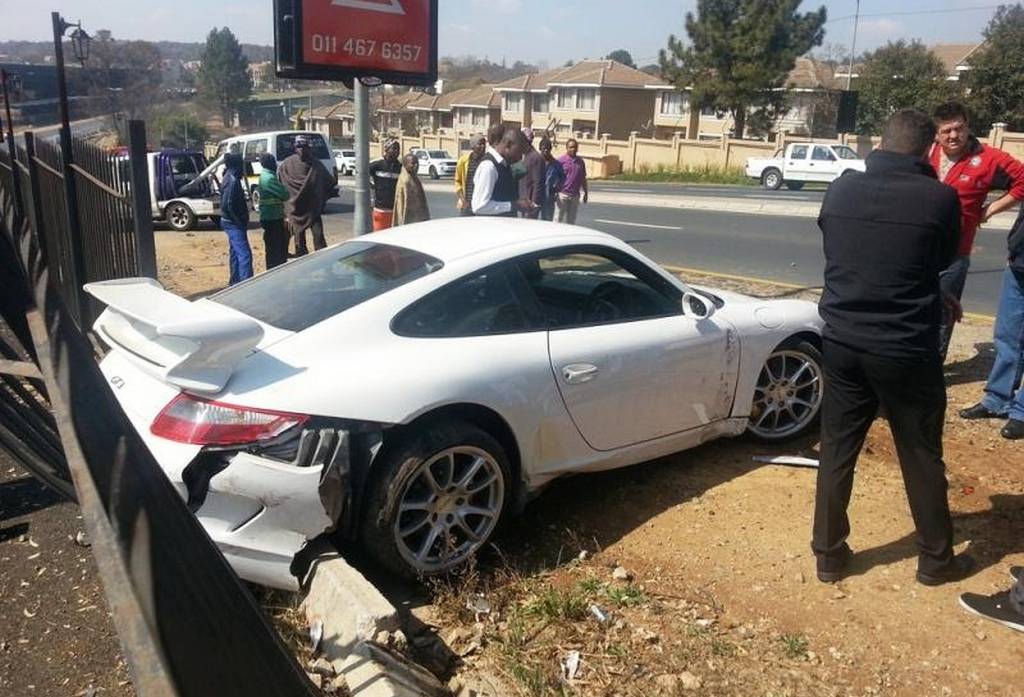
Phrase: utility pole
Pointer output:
(362, 218)
(853, 47)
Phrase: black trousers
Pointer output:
(913, 395)
(275, 242)
(319, 241)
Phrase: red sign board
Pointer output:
(395, 40)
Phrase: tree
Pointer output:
(996, 77)
(739, 51)
(899, 75)
(127, 74)
(223, 76)
(178, 129)
(623, 56)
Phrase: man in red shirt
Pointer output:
(963, 163)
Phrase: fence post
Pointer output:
(632, 150)
(35, 212)
(145, 245)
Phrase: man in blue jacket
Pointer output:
(234, 219)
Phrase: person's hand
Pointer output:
(985, 214)
(525, 205)
(953, 307)
(586, 195)
(459, 203)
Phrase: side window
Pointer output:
(255, 148)
(586, 287)
(478, 305)
(799, 152)
(235, 147)
(821, 154)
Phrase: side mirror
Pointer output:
(697, 306)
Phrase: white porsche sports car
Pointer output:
(410, 388)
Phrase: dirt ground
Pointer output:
(722, 589)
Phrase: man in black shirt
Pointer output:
(383, 179)
(888, 233)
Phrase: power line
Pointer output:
(918, 12)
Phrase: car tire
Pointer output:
(771, 179)
(254, 197)
(787, 397)
(180, 217)
(433, 173)
(430, 488)
(794, 186)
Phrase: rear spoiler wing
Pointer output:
(194, 346)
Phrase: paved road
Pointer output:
(777, 248)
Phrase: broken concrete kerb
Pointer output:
(352, 613)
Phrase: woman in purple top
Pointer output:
(575, 183)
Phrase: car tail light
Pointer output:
(189, 419)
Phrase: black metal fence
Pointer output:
(186, 623)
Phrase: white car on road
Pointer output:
(804, 162)
(435, 163)
(345, 162)
(410, 389)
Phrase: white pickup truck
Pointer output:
(803, 162)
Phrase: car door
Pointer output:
(825, 165)
(797, 166)
(424, 161)
(629, 364)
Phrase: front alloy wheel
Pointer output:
(787, 398)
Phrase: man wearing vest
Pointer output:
(971, 168)
(495, 191)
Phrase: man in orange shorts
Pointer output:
(383, 180)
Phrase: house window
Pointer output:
(672, 103)
(709, 111)
(541, 103)
(478, 117)
(585, 99)
(512, 101)
(565, 98)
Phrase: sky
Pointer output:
(533, 31)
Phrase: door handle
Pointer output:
(579, 373)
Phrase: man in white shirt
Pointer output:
(495, 191)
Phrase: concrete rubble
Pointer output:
(361, 634)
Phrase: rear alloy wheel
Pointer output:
(433, 173)
(180, 217)
(772, 179)
(436, 499)
(787, 398)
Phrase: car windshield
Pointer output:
(286, 145)
(844, 152)
(306, 291)
(348, 153)
(440, 155)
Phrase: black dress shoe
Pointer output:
(960, 568)
(1013, 430)
(835, 568)
(979, 411)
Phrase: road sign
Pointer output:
(394, 40)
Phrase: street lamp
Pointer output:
(80, 44)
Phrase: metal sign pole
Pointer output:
(362, 223)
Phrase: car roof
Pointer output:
(448, 239)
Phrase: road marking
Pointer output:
(782, 284)
(628, 191)
(644, 225)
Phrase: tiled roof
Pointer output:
(339, 110)
(483, 96)
(603, 73)
(394, 102)
(953, 55)
(809, 74)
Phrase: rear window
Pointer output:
(440, 155)
(306, 291)
(286, 145)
